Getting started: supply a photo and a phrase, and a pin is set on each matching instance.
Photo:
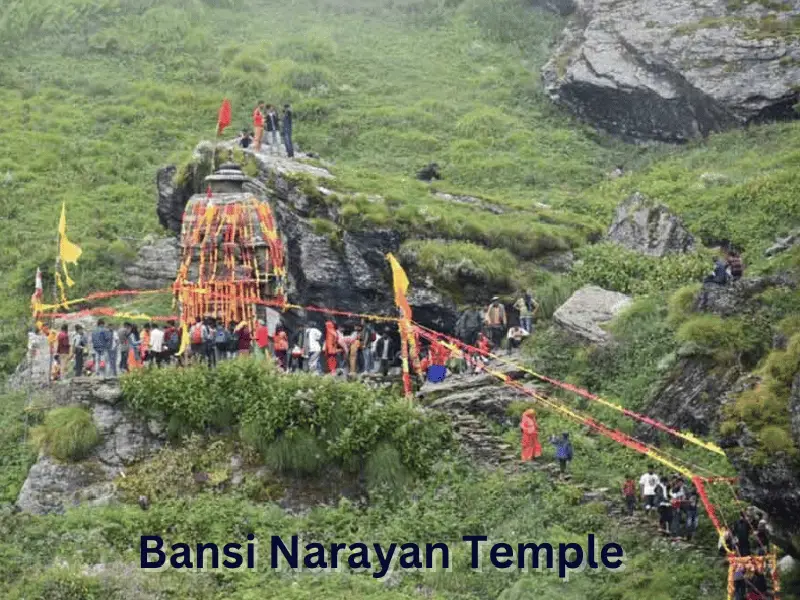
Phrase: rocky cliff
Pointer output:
(672, 70)
(327, 266)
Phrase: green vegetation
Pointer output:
(98, 94)
(68, 434)
(298, 424)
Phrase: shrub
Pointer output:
(681, 303)
(616, 268)
(62, 584)
(68, 434)
(776, 439)
(296, 453)
(384, 468)
(296, 423)
(723, 338)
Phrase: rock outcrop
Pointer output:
(587, 310)
(649, 228)
(673, 70)
(782, 244)
(327, 266)
(155, 265)
(51, 487)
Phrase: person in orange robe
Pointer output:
(531, 448)
(331, 346)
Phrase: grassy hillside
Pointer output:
(98, 95)
(441, 498)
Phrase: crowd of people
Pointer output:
(108, 350)
(327, 347)
(278, 127)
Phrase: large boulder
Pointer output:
(52, 486)
(155, 266)
(327, 266)
(673, 70)
(650, 228)
(587, 310)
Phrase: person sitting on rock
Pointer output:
(734, 264)
(515, 337)
(719, 275)
(245, 139)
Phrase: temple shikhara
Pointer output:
(233, 263)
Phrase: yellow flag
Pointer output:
(399, 275)
(67, 251)
(184, 340)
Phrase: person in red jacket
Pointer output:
(262, 339)
(331, 346)
(281, 347)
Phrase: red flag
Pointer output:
(224, 118)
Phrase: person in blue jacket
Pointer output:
(563, 450)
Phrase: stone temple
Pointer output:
(233, 265)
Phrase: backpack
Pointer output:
(197, 333)
(221, 336)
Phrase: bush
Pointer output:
(681, 303)
(297, 423)
(295, 453)
(616, 268)
(384, 468)
(62, 584)
(723, 338)
(776, 439)
(68, 434)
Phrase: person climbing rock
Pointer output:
(563, 451)
(527, 307)
(287, 130)
(629, 493)
(258, 126)
(331, 348)
(384, 351)
(271, 121)
(734, 265)
(531, 448)
(496, 321)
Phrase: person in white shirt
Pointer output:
(647, 485)
(313, 349)
(157, 344)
